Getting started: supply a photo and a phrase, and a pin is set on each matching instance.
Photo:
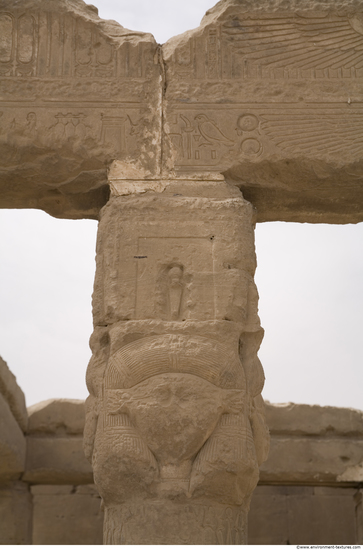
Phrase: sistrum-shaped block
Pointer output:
(175, 422)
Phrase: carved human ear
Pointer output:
(234, 401)
(117, 401)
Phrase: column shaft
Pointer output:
(175, 427)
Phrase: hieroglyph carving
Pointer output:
(77, 87)
(269, 93)
(84, 131)
(212, 138)
(59, 45)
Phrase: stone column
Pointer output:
(175, 422)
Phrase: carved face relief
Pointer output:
(174, 413)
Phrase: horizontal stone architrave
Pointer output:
(264, 106)
(314, 420)
(57, 417)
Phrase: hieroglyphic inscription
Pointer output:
(317, 46)
(208, 136)
(60, 45)
(113, 129)
(213, 53)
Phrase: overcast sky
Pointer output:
(310, 280)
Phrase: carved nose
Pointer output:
(167, 397)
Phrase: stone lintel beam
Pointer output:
(76, 92)
(267, 93)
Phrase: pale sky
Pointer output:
(310, 280)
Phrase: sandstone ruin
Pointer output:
(309, 490)
(179, 150)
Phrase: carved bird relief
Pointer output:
(210, 131)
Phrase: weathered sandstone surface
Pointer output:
(13, 422)
(304, 515)
(66, 514)
(179, 150)
(57, 417)
(310, 502)
(13, 395)
(309, 444)
(15, 513)
(76, 93)
(312, 444)
(175, 421)
(268, 93)
(54, 444)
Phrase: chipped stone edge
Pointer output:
(352, 473)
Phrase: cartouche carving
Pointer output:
(59, 45)
(171, 292)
